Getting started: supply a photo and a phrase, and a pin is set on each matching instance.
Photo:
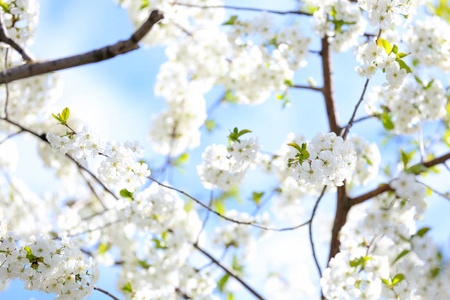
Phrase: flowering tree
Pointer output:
(123, 211)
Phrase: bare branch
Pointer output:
(385, 187)
(350, 123)
(106, 293)
(260, 226)
(10, 136)
(94, 56)
(290, 12)
(7, 40)
(446, 196)
(313, 249)
(307, 87)
(230, 272)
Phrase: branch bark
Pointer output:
(104, 53)
(230, 272)
(7, 40)
(386, 187)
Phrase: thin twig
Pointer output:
(44, 139)
(313, 250)
(211, 198)
(350, 123)
(307, 87)
(7, 40)
(257, 225)
(6, 85)
(446, 196)
(290, 12)
(94, 56)
(106, 293)
(10, 136)
(230, 272)
(92, 189)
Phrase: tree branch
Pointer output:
(352, 119)
(106, 293)
(94, 56)
(43, 138)
(327, 90)
(7, 40)
(229, 272)
(313, 249)
(290, 12)
(386, 187)
(308, 87)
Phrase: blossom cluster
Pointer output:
(372, 56)
(331, 161)
(20, 18)
(238, 236)
(153, 236)
(410, 106)
(340, 20)
(119, 168)
(429, 42)
(406, 187)
(382, 255)
(47, 265)
(388, 13)
(367, 162)
(224, 168)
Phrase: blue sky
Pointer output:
(116, 98)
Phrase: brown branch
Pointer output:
(106, 293)
(254, 224)
(328, 93)
(307, 87)
(7, 40)
(289, 12)
(352, 119)
(229, 272)
(385, 187)
(94, 56)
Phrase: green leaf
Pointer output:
(4, 6)
(386, 120)
(230, 97)
(403, 65)
(103, 247)
(236, 134)
(404, 252)
(144, 4)
(418, 80)
(405, 159)
(446, 137)
(189, 205)
(127, 288)
(279, 96)
(288, 82)
(435, 272)
(126, 194)
(369, 162)
(429, 85)
(386, 282)
(159, 244)
(222, 282)
(231, 21)
(397, 279)
(210, 125)
(230, 296)
(416, 169)
(256, 197)
(236, 265)
(181, 160)
(401, 55)
(219, 206)
(385, 44)
(65, 114)
(296, 146)
(144, 264)
(395, 49)
(57, 117)
(421, 232)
